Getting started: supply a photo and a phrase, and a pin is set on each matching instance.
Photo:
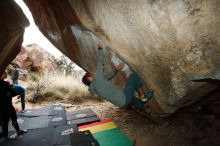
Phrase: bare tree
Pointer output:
(65, 64)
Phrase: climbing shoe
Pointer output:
(147, 96)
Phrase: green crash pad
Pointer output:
(113, 137)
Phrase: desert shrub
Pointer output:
(34, 77)
(37, 89)
(59, 87)
(52, 95)
(77, 96)
(63, 63)
(9, 70)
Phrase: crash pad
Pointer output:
(32, 122)
(83, 138)
(58, 110)
(113, 137)
(59, 116)
(44, 111)
(57, 121)
(80, 114)
(82, 117)
(84, 121)
(44, 137)
(98, 126)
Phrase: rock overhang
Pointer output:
(169, 44)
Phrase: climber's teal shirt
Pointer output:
(102, 86)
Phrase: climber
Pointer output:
(100, 84)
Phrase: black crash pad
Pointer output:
(58, 110)
(83, 138)
(57, 121)
(59, 116)
(44, 137)
(84, 121)
(80, 114)
(32, 122)
(81, 117)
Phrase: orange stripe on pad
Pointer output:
(98, 126)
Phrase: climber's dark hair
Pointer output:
(85, 79)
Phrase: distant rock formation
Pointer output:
(33, 58)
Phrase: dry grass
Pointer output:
(59, 87)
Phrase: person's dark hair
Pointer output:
(85, 79)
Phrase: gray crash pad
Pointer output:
(44, 111)
(32, 122)
(44, 137)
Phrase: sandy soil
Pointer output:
(188, 128)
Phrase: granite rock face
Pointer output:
(173, 45)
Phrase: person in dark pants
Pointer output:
(15, 75)
(7, 109)
(101, 85)
(21, 92)
(18, 88)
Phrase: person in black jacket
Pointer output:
(7, 109)
(15, 74)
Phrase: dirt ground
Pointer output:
(195, 127)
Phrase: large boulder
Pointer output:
(12, 22)
(173, 45)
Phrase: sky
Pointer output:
(33, 35)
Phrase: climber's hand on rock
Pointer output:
(100, 45)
